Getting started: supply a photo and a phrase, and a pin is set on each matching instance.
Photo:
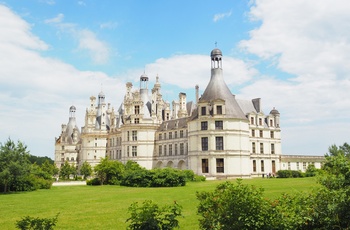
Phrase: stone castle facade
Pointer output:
(217, 136)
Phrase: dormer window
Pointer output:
(137, 109)
(252, 120)
(219, 109)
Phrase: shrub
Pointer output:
(93, 181)
(289, 174)
(150, 216)
(28, 223)
(167, 177)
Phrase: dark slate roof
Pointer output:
(171, 124)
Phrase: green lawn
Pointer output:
(105, 207)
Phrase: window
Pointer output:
(218, 109)
(218, 125)
(304, 165)
(219, 165)
(181, 148)
(204, 143)
(271, 123)
(160, 150)
(204, 110)
(170, 135)
(254, 165)
(175, 149)
(164, 150)
(253, 147)
(181, 133)
(273, 167)
(261, 133)
(204, 125)
(128, 151)
(95, 144)
(160, 136)
(260, 121)
(134, 135)
(62, 147)
(128, 136)
(288, 165)
(137, 109)
(175, 134)
(252, 120)
(72, 159)
(261, 147)
(272, 148)
(137, 121)
(134, 151)
(164, 136)
(297, 165)
(205, 166)
(219, 143)
(253, 133)
(262, 166)
(170, 150)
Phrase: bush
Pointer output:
(94, 181)
(28, 223)
(150, 216)
(167, 177)
(289, 174)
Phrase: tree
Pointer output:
(109, 172)
(67, 170)
(86, 170)
(150, 216)
(50, 168)
(14, 167)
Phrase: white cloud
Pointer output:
(310, 40)
(97, 50)
(218, 17)
(37, 91)
(58, 19)
(109, 25)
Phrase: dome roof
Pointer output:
(216, 52)
(72, 108)
(274, 111)
(101, 94)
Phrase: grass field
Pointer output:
(105, 207)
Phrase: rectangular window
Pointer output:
(181, 133)
(205, 166)
(261, 133)
(160, 150)
(271, 123)
(288, 165)
(261, 147)
(219, 143)
(297, 165)
(170, 135)
(219, 109)
(170, 150)
(134, 151)
(128, 136)
(137, 109)
(62, 147)
(220, 165)
(204, 110)
(219, 125)
(272, 148)
(204, 143)
(204, 125)
(272, 134)
(160, 136)
(254, 165)
(175, 149)
(260, 121)
(252, 120)
(134, 135)
(262, 166)
(175, 134)
(164, 136)
(181, 148)
(128, 150)
(137, 121)
(304, 165)
(253, 147)
(164, 150)
(253, 133)
(273, 167)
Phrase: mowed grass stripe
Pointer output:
(106, 207)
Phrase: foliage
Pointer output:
(15, 167)
(28, 223)
(40, 160)
(167, 177)
(289, 174)
(150, 216)
(40, 178)
(136, 176)
(49, 167)
(86, 170)
(311, 171)
(93, 181)
(233, 206)
(109, 172)
(67, 170)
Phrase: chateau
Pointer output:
(217, 135)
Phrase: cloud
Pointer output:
(309, 41)
(109, 25)
(57, 19)
(36, 91)
(218, 17)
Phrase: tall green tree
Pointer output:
(86, 170)
(14, 167)
(50, 168)
(109, 172)
(67, 170)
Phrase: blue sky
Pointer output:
(293, 54)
